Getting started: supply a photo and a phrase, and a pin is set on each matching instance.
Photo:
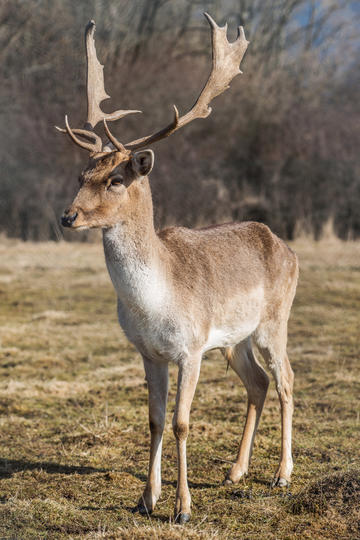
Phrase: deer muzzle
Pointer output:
(67, 219)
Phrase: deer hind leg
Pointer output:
(271, 341)
(256, 381)
(157, 381)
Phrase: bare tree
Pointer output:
(296, 137)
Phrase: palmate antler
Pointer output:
(95, 95)
(226, 59)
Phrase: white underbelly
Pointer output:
(228, 336)
(241, 317)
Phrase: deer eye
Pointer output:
(116, 180)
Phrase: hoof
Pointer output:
(142, 509)
(227, 482)
(280, 482)
(182, 518)
(231, 481)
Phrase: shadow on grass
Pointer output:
(10, 466)
(267, 482)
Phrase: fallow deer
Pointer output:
(182, 291)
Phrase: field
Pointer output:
(73, 410)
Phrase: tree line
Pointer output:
(281, 146)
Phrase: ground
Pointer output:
(73, 410)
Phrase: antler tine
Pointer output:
(89, 135)
(96, 146)
(112, 138)
(95, 84)
(226, 58)
(162, 134)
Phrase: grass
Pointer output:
(73, 411)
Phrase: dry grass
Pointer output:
(73, 410)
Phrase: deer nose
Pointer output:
(67, 221)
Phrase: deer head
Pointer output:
(110, 184)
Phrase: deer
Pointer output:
(181, 291)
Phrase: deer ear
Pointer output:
(142, 162)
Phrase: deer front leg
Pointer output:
(157, 381)
(187, 380)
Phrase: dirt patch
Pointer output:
(341, 491)
(335, 495)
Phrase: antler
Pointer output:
(226, 58)
(95, 83)
(95, 95)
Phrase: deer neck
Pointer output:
(134, 254)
